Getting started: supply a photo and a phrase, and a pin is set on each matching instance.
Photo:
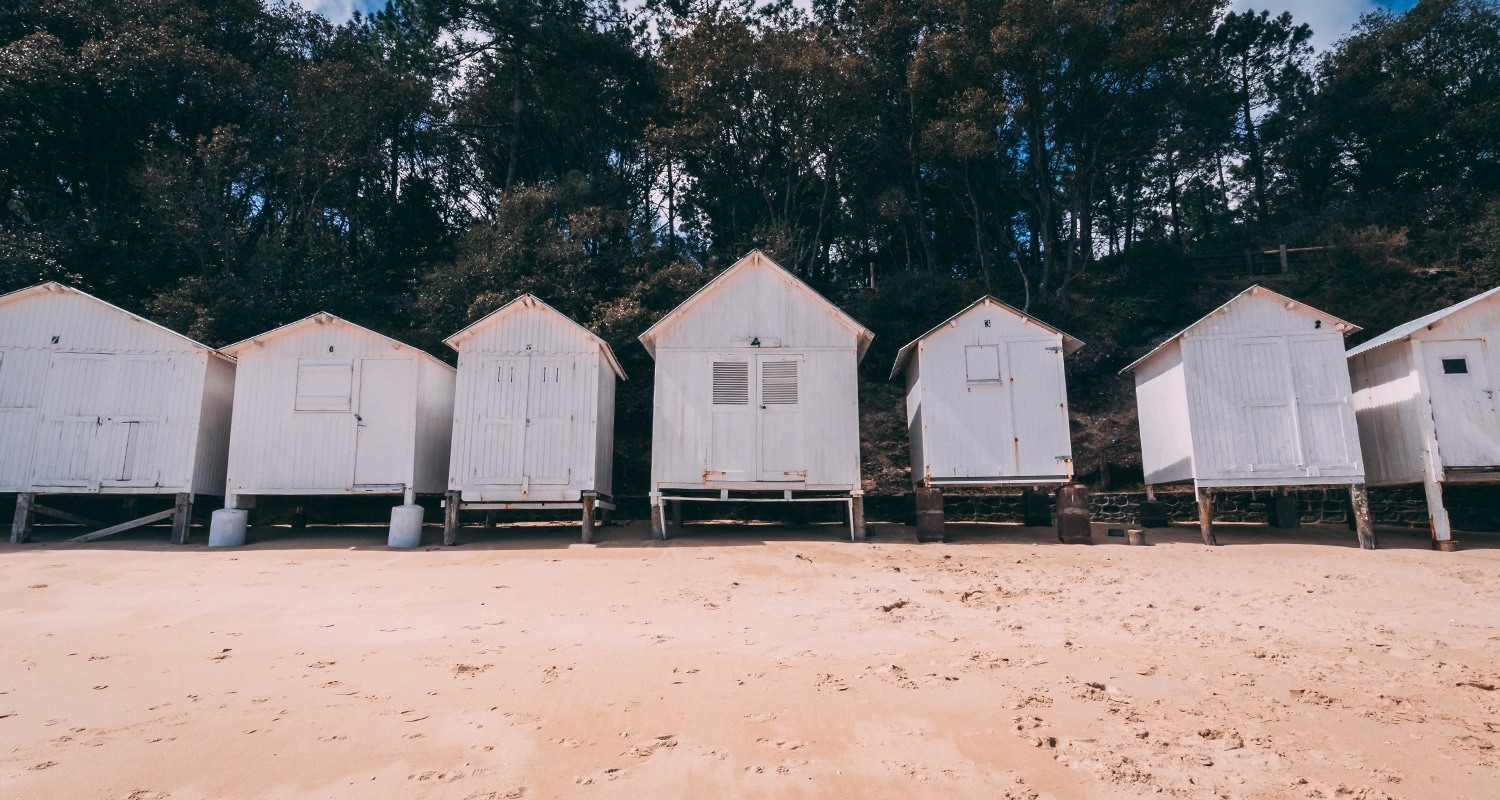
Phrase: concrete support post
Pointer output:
(20, 528)
(1074, 522)
(929, 513)
(1206, 515)
(1359, 501)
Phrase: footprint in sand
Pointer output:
(830, 683)
(648, 747)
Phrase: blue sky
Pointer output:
(1330, 19)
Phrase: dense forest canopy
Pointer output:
(1112, 166)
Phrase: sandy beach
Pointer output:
(748, 661)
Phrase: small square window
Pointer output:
(982, 363)
(324, 384)
(1455, 366)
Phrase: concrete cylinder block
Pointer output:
(406, 526)
(226, 528)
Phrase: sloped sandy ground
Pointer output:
(751, 662)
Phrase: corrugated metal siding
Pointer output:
(138, 387)
(539, 426)
(1162, 411)
(1387, 405)
(275, 449)
(1008, 424)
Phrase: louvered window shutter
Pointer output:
(778, 383)
(731, 383)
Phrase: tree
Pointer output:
(1265, 60)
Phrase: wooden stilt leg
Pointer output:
(20, 529)
(1359, 500)
(489, 522)
(1206, 515)
(588, 519)
(1437, 515)
(182, 518)
(450, 518)
(677, 514)
(857, 518)
(299, 517)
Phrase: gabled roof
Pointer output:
(532, 301)
(321, 318)
(1070, 344)
(1255, 289)
(753, 259)
(53, 286)
(1400, 332)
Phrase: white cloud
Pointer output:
(1331, 20)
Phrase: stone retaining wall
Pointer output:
(1475, 508)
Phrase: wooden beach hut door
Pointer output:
(383, 447)
(979, 441)
(72, 416)
(1463, 403)
(526, 425)
(1325, 423)
(501, 446)
(781, 419)
(1042, 438)
(757, 419)
(101, 418)
(549, 419)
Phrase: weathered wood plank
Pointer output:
(588, 519)
(182, 518)
(450, 519)
(20, 528)
(48, 511)
(857, 518)
(125, 526)
(1359, 499)
(1206, 515)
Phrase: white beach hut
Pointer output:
(326, 407)
(534, 416)
(1256, 394)
(986, 405)
(96, 400)
(756, 395)
(1425, 399)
